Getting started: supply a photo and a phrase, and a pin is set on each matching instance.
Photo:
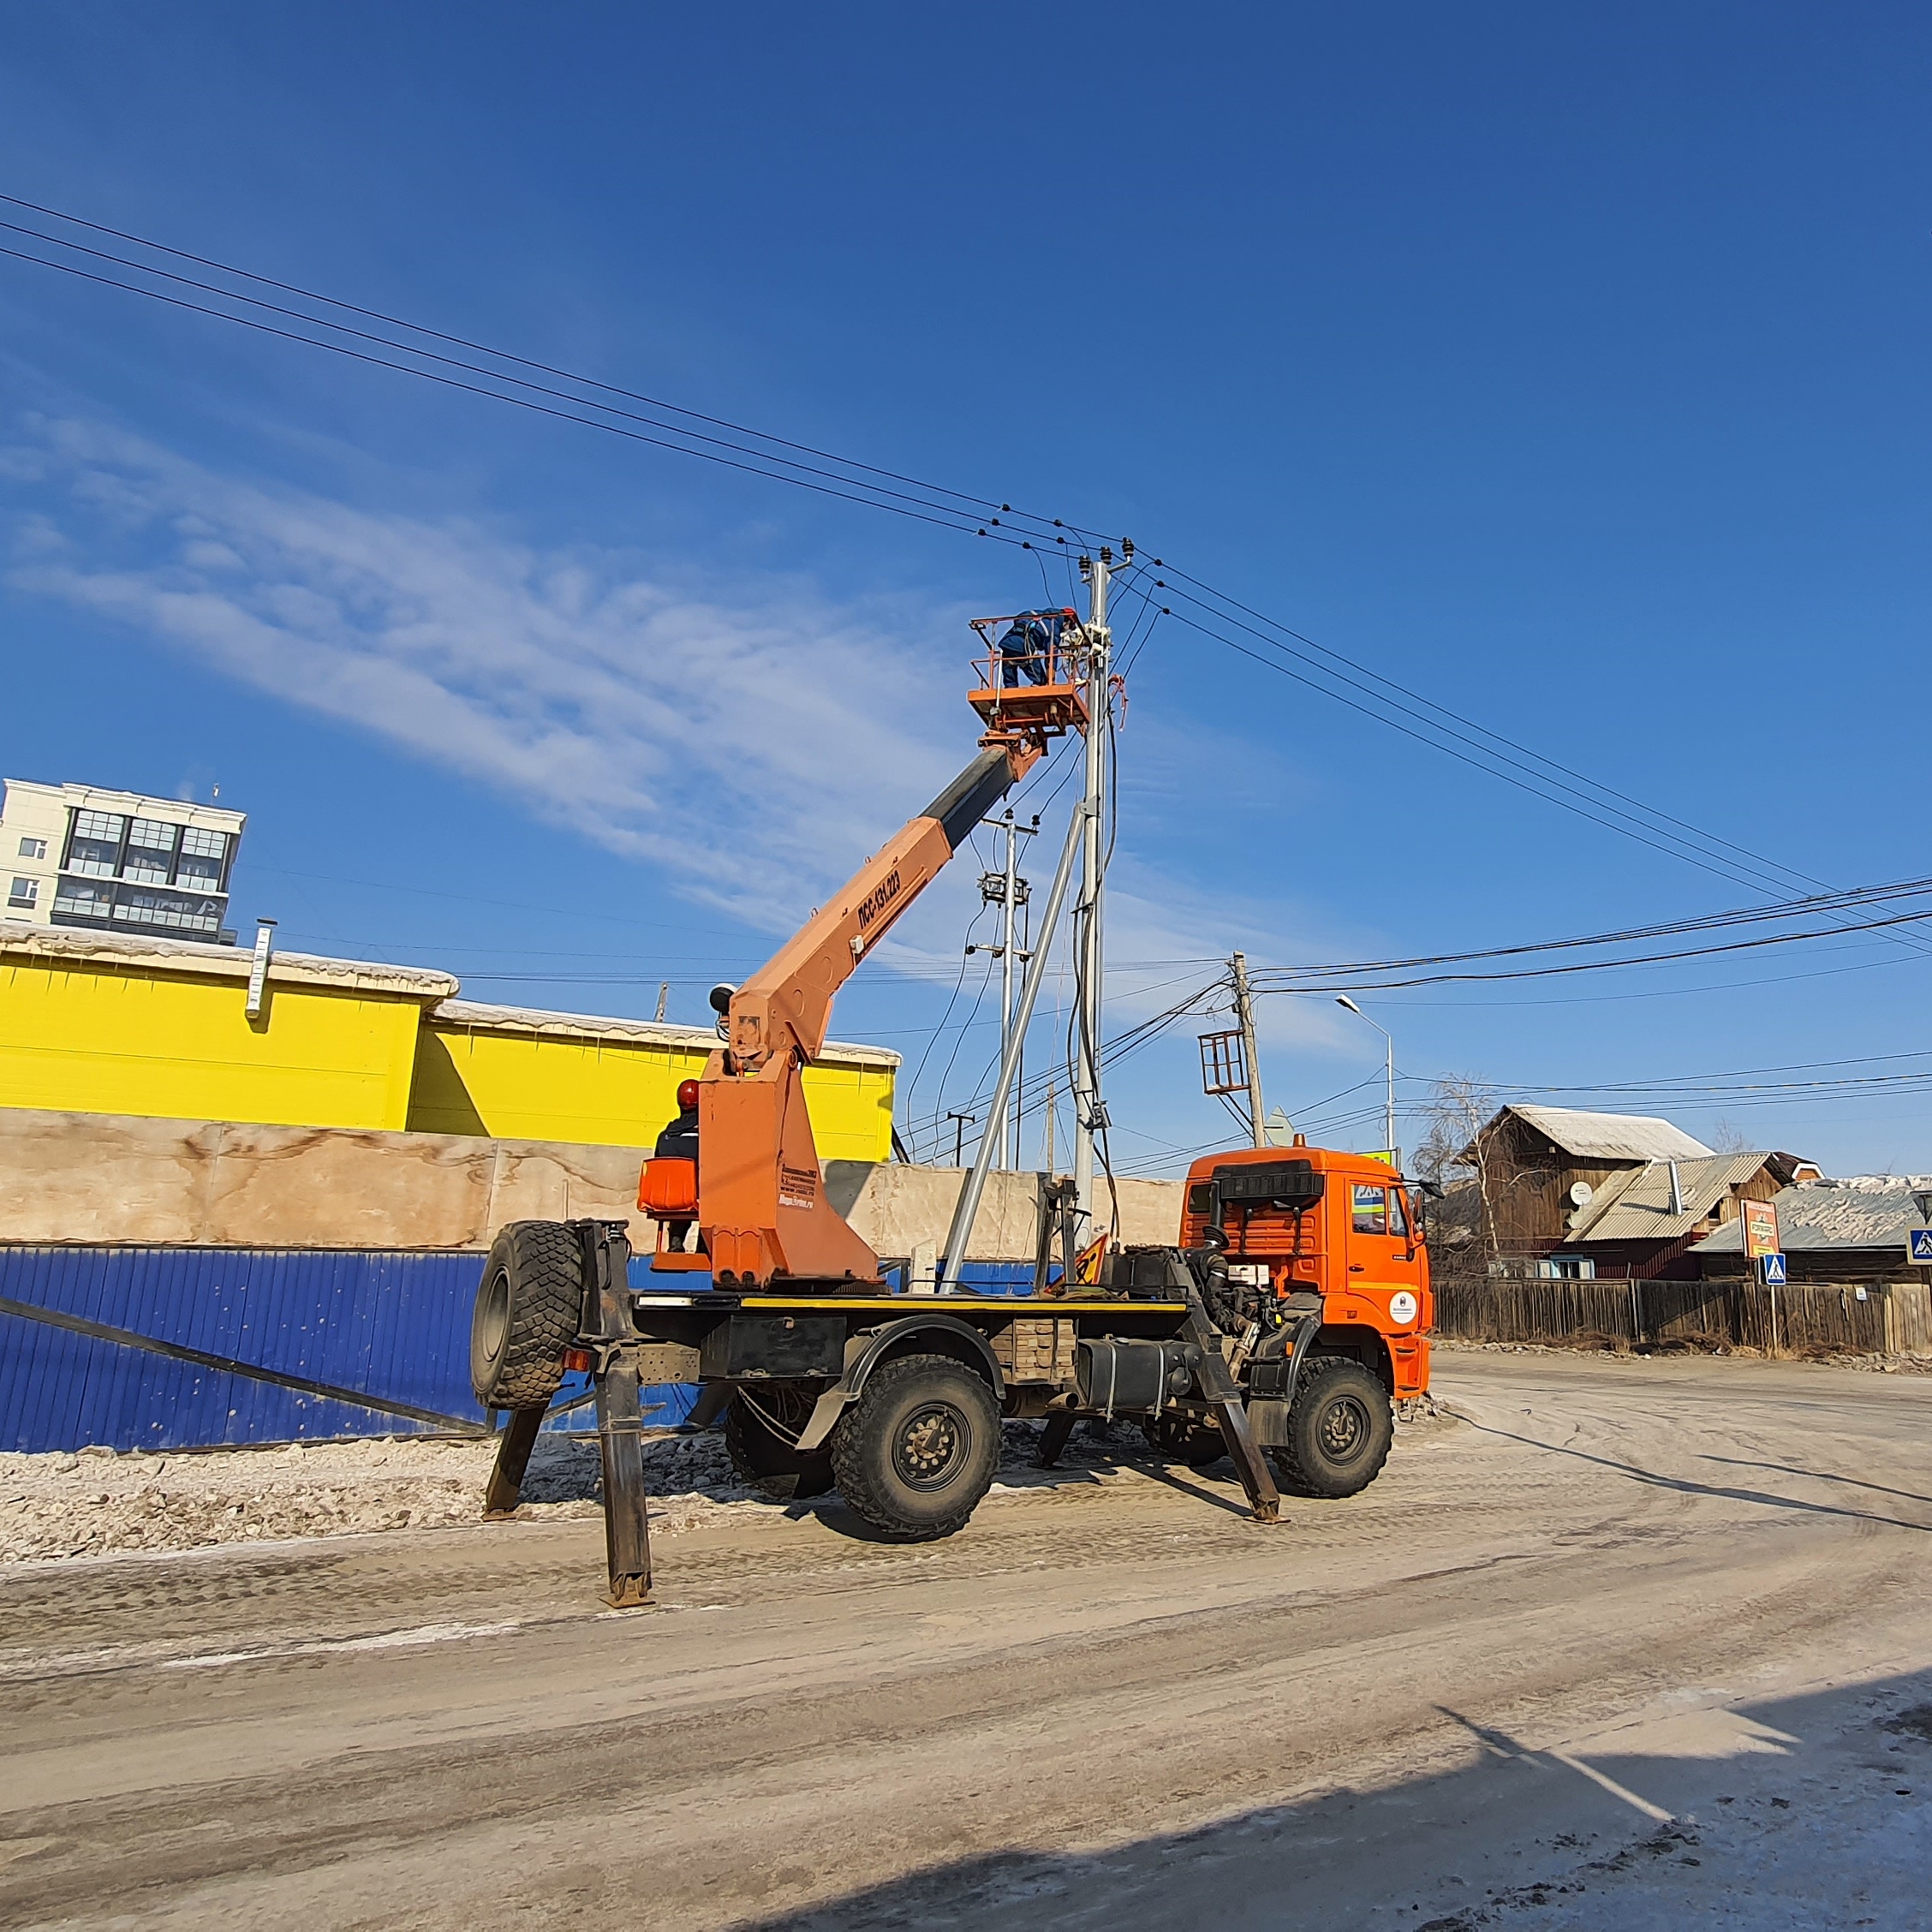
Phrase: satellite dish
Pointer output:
(1581, 1194)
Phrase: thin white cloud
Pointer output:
(750, 746)
(744, 744)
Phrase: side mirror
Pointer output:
(721, 1000)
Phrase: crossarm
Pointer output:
(787, 1004)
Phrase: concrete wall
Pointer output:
(88, 1177)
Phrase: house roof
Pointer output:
(1862, 1211)
(1635, 1205)
(1612, 1136)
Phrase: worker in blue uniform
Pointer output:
(1026, 645)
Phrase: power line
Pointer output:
(1856, 897)
(981, 506)
(935, 504)
(1896, 921)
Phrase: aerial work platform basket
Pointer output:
(1031, 685)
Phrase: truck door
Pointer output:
(1386, 1269)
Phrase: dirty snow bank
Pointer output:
(97, 1501)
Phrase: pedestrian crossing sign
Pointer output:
(1771, 1270)
(1918, 1246)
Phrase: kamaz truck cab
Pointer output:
(1314, 1266)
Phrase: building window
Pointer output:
(1568, 1267)
(99, 824)
(151, 852)
(167, 912)
(202, 854)
(96, 857)
(34, 847)
(25, 893)
(78, 898)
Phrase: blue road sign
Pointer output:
(1918, 1244)
(1771, 1270)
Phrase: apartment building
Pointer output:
(117, 862)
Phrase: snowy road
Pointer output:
(1629, 1644)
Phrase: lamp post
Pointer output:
(1343, 999)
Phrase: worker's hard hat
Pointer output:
(687, 1094)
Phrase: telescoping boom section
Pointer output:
(755, 1190)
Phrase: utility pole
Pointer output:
(1089, 1115)
(1011, 893)
(1244, 1017)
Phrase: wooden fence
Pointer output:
(1809, 1318)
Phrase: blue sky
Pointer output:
(1567, 367)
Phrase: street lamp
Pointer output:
(1343, 999)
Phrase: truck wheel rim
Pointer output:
(931, 1445)
(492, 1317)
(1343, 1431)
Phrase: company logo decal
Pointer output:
(876, 901)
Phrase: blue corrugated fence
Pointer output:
(381, 1339)
(178, 1347)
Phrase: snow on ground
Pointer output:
(95, 1502)
(1848, 1844)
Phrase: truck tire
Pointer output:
(918, 1449)
(529, 1306)
(763, 1457)
(1339, 1429)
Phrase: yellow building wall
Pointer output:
(613, 1092)
(79, 1037)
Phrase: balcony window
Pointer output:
(197, 871)
(167, 912)
(79, 899)
(94, 856)
(99, 824)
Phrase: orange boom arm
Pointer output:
(761, 1206)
